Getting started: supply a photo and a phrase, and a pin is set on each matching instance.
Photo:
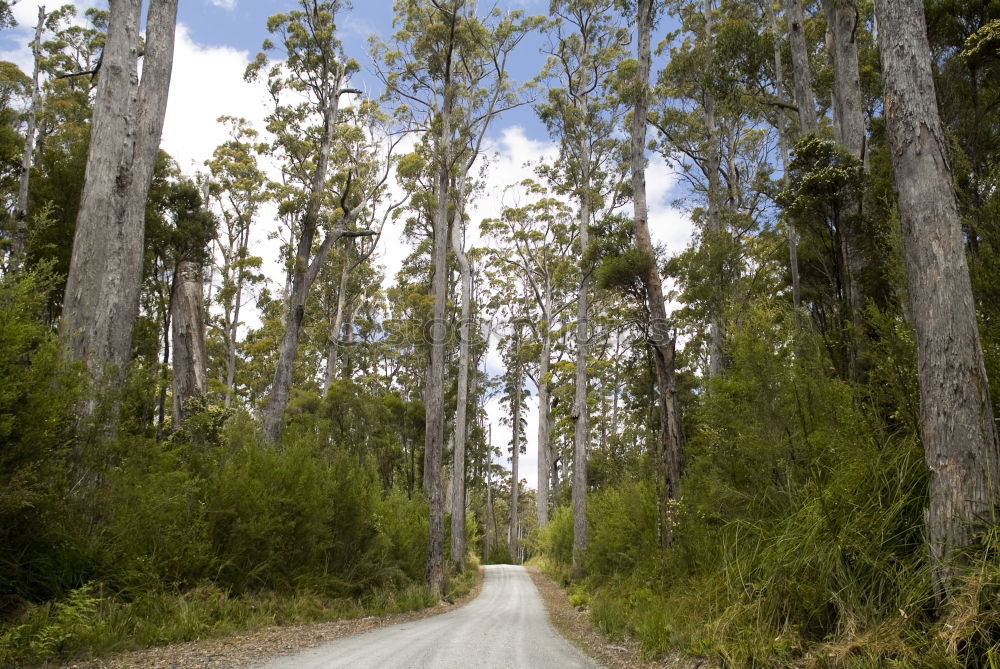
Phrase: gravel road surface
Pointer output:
(506, 627)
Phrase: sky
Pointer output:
(216, 39)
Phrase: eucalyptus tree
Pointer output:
(420, 73)
(585, 48)
(20, 214)
(662, 343)
(72, 53)
(805, 99)
(447, 68)
(306, 89)
(486, 92)
(178, 232)
(102, 290)
(712, 125)
(512, 346)
(844, 23)
(236, 185)
(195, 227)
(957, 428)
(534, 238)
(782, 128)
(693, 88)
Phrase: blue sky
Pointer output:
(242, 24)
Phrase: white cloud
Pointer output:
(225, 4)
(667, 225)
(26, 13)
(207, 82)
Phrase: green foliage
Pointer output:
(556, 541)
(800, 529)
(92, 623)
(37, 396)
(206, 532)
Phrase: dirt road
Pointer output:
(506, 627)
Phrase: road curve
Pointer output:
(506, 627)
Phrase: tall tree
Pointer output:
(660, 339)
(20, 217)
(486, 92)
(314, 69)
(957, 427)
(458, 547)
(843, 19)
(535, 236)
(805, 100)
(236, 184)
(713, 165)
(784, 151)
(421, 72)
(102, 291)
(585, 49)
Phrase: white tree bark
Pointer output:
(28, 153)
(716, 328)
(793, 250)
(105, 276)
(187, 323)
(336, 328)
(544, 415)
(515, 476)
(461, 408)
(581, 412)
(434, 387)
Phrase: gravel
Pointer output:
(506, 627)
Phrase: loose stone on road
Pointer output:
(506, 627)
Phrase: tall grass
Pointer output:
(800, 535)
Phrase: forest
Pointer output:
(774, 447)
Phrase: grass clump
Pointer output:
(799, 536)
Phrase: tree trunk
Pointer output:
(801, 71)
(544, 414)
(105, 275)
(488, 511)
(849, 131)
(434, 390)
(716, 356)
(303, 273)
(957, 426)
(793, 242)
(515, 454)
(233, 319)
(166, 313)
(188, 332)
(347, 366)
(581, 412)
(661, 340)
(461, 405)
(27, 154)
(333, 340)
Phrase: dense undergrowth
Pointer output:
(799, 536)
(206, 531)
